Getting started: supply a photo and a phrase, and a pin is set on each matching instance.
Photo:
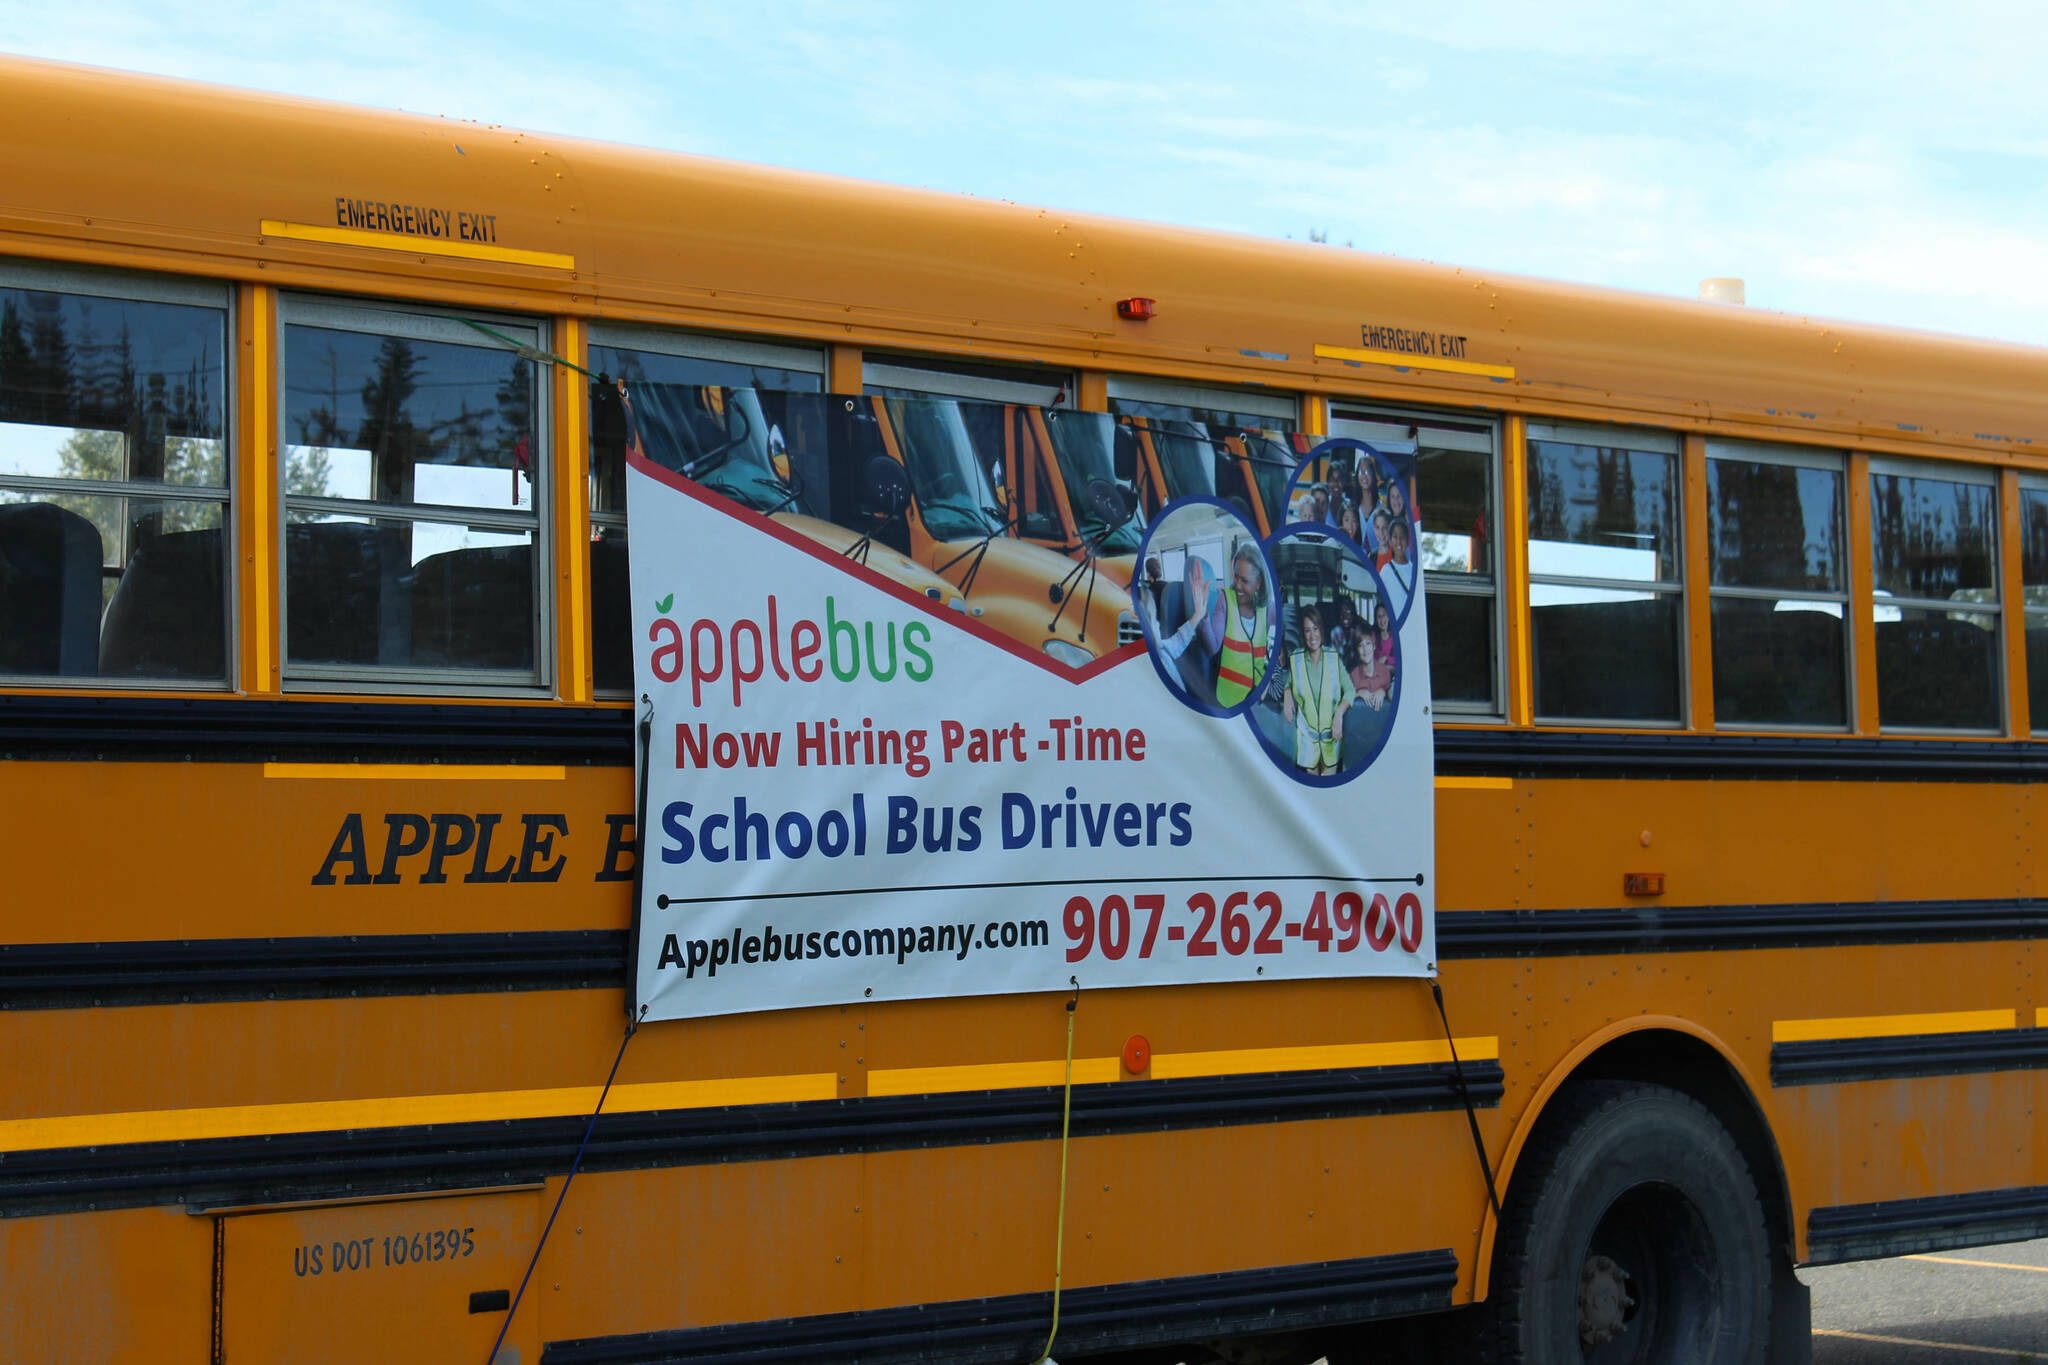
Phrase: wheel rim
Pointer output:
(1649, 1288)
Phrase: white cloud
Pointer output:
(361, 52)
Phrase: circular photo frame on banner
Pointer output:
(1330, 701)
(1364, 495)
(1205, 598)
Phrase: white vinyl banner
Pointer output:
(894, 757)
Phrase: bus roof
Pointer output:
(148, 172)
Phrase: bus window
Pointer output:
(1084, 446)
(1934, 552)
(1169, 400)
(1605, 574)
(414, 456)
(651, 360)
(1019, 470)
(953, 496)
(906, 376)
(1456, 482)
(1238, 433)
(1006, 442)
(113, 479)
(1777, 556)
(2034, 577)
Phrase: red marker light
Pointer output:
(1136, 310)
(1137, 1054)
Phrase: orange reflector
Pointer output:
(1642, 883)
(1137, 1054)
(1136, 310)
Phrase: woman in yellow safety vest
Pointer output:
(1241, 666)
(1318, 693)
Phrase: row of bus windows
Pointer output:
(415, 467)
(1606, 582)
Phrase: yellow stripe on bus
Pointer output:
(1475, 784)
(1324, 1057)
(1890, 1025)
(421, 772)
(320, 1116)
(425, 246)
(939, 1080)
(1413, 362)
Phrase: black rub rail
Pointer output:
(1943, 1222)
(1093, 1318)
(1652, 755)
(1726, 928)
(1826, 1061)
(232, 729)
(82, 975)
(199, 971)
(243, 730)
(217, 1172)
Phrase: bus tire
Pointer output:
(1633, 1235)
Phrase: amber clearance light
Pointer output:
(1136, 310)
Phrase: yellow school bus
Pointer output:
(1051, 468)
(318, 813)
(1248, 469)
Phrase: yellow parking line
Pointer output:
(2006, 1351)
(1988, 1265)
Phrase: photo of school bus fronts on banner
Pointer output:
(901, 749)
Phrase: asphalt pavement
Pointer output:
(1983, 1306)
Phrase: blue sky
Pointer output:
(1887, 163)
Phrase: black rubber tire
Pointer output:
(1649, 1179)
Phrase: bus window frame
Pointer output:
(1460, 585)
(1744, 451)
(891, 374)
(1981, 476)
(1271, 410)
(1617, 436)
(436, 323)
(2029, 482)
(683, 344)
(686, 345)
(147, 287)
(1281, 405)
(886, 374)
